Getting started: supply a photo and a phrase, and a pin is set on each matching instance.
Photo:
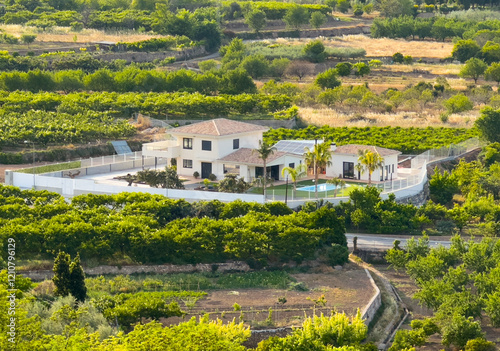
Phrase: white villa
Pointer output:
(223, 146)
(345, 157)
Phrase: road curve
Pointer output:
(378, 241)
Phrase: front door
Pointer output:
(348, 170)
(275, 172)
(206, 169)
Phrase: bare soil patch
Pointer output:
(344, 290)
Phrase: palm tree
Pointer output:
(295, 173)
(369, 161)
(338, 183)
(264, 151)
(319, 157)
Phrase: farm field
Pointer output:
(344, 291)
(58, 35)
(399, 74)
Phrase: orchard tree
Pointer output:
(458, 103)
(317, 19)
(398, 57)
(256, 20)
(492, 73)
(343, 5)
(459, 330)
(278, 67)
(442, 187)
(489, 124)
(368, 8)
(315, 51)
(490, 52)
(256, 65)
(238, 81)
(396, 8)
(207, 66)
(358, 11)
(465, 50)
(331, 4)
(300, 69)
(361, 69)
(101, 80)
(473, 68)
(343, 69)
(235, 51)
(328, 79)
(28, 39)
(296, 17)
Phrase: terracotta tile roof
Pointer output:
(248, 156)
(218, 127)
(353, 149)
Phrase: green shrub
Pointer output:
(327, 79)
(314, 51)
(398, 57)
(337, 255)
(458, 103)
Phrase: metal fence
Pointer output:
(104, 160)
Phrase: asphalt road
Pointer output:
(377, 241)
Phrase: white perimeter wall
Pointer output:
(72, 187)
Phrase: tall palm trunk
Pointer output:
(264, 181)
(315, 180)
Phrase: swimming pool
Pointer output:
(321, 187)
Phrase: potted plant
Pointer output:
(196, 175)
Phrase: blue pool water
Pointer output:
(321, 187)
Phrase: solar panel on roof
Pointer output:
(295, 146)
(121, 147)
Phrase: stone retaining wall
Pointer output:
(150, 56)
(369, 311)
(154, 269)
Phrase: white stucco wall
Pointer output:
(337, 167)
(221, 146)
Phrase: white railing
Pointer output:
(445, 152)
(405, 185)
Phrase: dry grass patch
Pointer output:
(427, 118)
(387, 47)
(436, 69)
(380, 83)
(382, 46)
(65, 34)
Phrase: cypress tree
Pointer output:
(77, 286)
(61, 277)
